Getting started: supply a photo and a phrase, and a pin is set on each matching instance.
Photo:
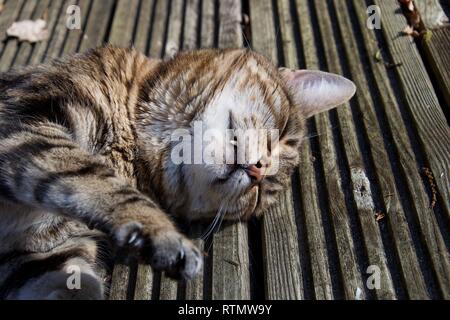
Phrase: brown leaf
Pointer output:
(408, 4)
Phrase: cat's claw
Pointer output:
(168, 251)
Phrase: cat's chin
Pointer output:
(246, 207)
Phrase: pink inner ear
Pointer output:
(317, 91)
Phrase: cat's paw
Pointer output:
(167, 251)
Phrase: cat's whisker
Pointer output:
(213, 224)
(318, 134)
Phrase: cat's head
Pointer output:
(221, 130)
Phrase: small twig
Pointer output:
(391, 65)
(379, 216)
(234, 263)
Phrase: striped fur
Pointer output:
(85, 153)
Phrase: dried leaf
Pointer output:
(409, 4)
(29, 30)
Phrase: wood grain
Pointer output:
(143, 24)
(422, 102)
(437, 48)
(122, 28)
(168, 288)
(158, 29)
(75, 37)
(97, 24)
(425, 215)
(119, 282)
(57, 22)
(144, 283)
(174, 31)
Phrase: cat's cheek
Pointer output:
(253, 204)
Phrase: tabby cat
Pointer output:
(85, 155)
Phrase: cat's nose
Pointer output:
(255, 172)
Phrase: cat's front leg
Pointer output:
(42, 166)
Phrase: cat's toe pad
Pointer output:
(176, 255)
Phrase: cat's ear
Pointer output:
(317, 91)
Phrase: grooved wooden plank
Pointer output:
(230, 275)
(158, 29)
(12, 45)
(231, 278)
(431, 13)
(283, 273)
(7, 17)
(144, 283)
(123, 23)
(143, 25)
(421, 99)
(394, 212)
(97, 24)
(437, 48)
(280, 246)
(119, 282)
(230, 31)
(75, 36)
(168, 288)
(191, 23)
(174, 31)
(425, 215)
(207, 24)
(308, 182)
(351, 275)
(260, 26)
(51, 48)
(24, 52)
(437, 51)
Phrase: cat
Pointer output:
(86, 155)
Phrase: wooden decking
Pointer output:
(361, 196)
